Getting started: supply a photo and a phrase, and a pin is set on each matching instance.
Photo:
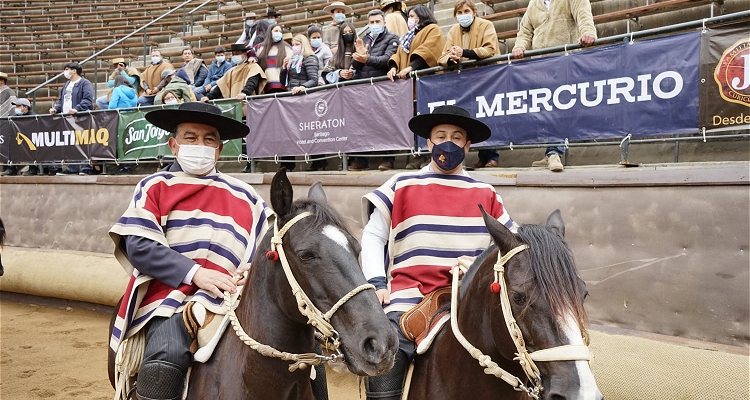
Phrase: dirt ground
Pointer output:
(52, 353)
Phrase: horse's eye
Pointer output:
(518, 298)
(305, 255)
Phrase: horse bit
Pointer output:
(526, 359)
(320, 321)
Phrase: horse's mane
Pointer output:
(554, 271)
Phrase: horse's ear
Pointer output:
(555, 222)
(281, 193)
(501, 235)
(316, 193)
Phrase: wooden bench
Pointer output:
(651, 9)
(63, 40)
(88, 49)
(29, 19)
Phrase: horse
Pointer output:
(322, 257)
(545, 294)
(2, 241)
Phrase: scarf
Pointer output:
(296, 62)
(192, 68)
(407, 38)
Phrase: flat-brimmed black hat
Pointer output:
(200, 113)
(272, 13)
(476, 131)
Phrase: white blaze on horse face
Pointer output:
(337, 236)
(588, 389)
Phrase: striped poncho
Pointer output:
(433, 220)
(215, 220)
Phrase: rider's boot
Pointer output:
(160, 380)
(390, 385)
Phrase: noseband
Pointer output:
(526, 359)
(319, 320)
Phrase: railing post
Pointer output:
(191, 24)
(184, 10)
(145, 51)
(96, 75)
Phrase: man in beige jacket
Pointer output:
(549, 23)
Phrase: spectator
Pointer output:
(322, 51)
(195, 68)
(170, 98)
(77, 94)
(338, 11)
(218, 68)
(340, 66)
(22, 108)
(260, 34)
(123, 94)
(287, 37)
(244, 79)
(271, 59)
(480, 40)
(5, 94)
(300, 72)
(554, 23)
(371, 59)
(248, 34)
(120, 68)
(395, 16)
(152, 81)
(177, 82)
(405, 251)
(272, 17)
(419, 48)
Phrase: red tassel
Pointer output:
(495, 287)
(272, 255)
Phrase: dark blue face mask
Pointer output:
(448, 155)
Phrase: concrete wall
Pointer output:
(664, 249)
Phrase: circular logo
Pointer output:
(321, 108)
(732, 73)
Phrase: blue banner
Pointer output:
(643, 88)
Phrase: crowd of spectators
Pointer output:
(397, 41)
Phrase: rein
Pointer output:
(526, 359)
(320, 321)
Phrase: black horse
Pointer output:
(2, 241)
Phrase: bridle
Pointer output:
(319, 320)
(526, 359)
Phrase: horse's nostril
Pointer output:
(374, 350)
(555, 396)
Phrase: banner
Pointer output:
(725, 78)
(139, 140)
(349, 119)
(644, 88)
(78, 137)
(6, 134)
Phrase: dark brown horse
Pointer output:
(322, 256)
(546, 297)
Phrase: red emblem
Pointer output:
(272, 255)
(495, 287)
(732, 73)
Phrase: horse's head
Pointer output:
(546, 297)
(322, 255)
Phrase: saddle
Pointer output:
(205, 328)
(415, 323)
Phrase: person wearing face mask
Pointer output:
(22, 107)
(272, 17)
(340, 67)
(123, 94)
(219, 66)
(248, 34)
(77, 94)
(246, 78)
(322, 51)
(395, 16)
(202, 209)
(271, 58)
(338, 11)
(6, 93)
(120, 68)
(472, 38)
(420, 47)
(152, 77)
(422, 264)
(177, 83)
(194, 67)
(300, 72)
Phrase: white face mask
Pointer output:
(170, 101)
(155, 60)
(237, 59)
(196, 159)
(220, 59)
(67, 74)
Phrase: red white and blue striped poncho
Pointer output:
(215, 220)
(433, 220)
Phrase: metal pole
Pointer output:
(184, 10)
(145, 51)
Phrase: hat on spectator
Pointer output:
(201, 113)
(286, 36)
(476, 131)
(219, 49)
(250, 14)
(238, 47)
(385, 3)
(118, 61)
(336, 5)
(272, 13)
(21, 102)
(4, 76)
(166, 73)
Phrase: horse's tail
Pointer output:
(2, 232)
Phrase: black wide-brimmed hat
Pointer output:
(476, 131)
(200, 113)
